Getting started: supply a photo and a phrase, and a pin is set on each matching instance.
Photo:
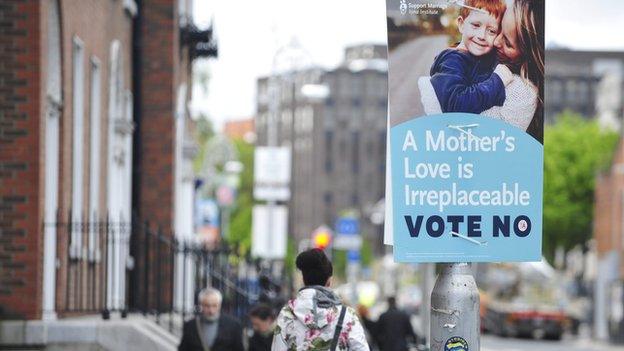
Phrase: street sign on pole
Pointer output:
(207, 221)
(272, 173)
(269, 227)
(347, 234)
(226, 195)
(353, 256)
(347, 225)
(348, 242)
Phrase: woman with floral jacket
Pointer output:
(309, 322)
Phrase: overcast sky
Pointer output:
(250, 31)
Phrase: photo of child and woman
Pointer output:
(476, 56)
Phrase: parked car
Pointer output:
(522, 320)
(520, 300)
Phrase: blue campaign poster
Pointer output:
(466, 188)
(465, 130)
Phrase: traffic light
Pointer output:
(322, 239)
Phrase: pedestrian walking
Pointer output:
(316, 319)
(270, 293)
(394, 329)
(263, 324)
(369, 325)
(211, 330)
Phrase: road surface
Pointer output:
(569, 343)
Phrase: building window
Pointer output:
(286, 123)
(382, 144)
(583, 92)
(369, 147)
(571, 91)
(77, 144)
(342, 88)
(95, 151)
(382, 87)
(370, 85)
(355, 200)
(355, 144)
(309, 118)
(555, 91)
(327, 198)
(329, 151)
(263, 93)
(356, 85)
(184, 11)
(383, 104)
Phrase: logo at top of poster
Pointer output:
(403, 7)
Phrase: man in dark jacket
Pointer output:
(394, 328)
(263, 323)
(211, 330)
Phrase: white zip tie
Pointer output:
(474, 125)
(461, 129)
(444, 311)
(456, 2)
(480, 243)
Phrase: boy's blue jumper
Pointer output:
(466, 83)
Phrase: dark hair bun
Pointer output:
(315, 267)
(310, 259)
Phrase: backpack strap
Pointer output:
(334, 343)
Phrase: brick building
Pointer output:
(94, 130)
(242, 129)
(166, 43)
(69, 96)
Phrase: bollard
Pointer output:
(455, 321)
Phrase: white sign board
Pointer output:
(269, 228)
(272, 173)
(348, 242)
(271, 193)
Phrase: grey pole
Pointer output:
(455, 322)
(428, 279)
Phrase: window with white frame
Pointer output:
(94, 158)
(185, 11)
(77, 146)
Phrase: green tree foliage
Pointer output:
(366, 253)
(240, 225)
(575, 150)
(291, 255)
(203, 132)
(339, 259)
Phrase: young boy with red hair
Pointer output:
(467, 78)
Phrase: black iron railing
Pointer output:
(107, 266)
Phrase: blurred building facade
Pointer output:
(95, 130)
(609, 238)
(590, 83)
(335, 124)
